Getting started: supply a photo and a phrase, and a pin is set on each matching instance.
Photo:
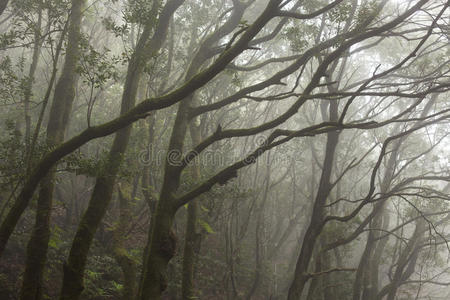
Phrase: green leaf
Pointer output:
(117, 286)
(52, 244)
(206, 226)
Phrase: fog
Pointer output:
(224, 149)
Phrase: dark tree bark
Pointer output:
(58, 122)
(3, 4)
(140, 111)
(127, 264)
(161, 240)
(102, 193)
(315, 226)
(30, 81)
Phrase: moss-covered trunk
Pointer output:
(189, 253)
(57, 125)
(161, 242)
(121, 255)
(100, 198)
(102, 193)
(161, 250)
(140, 111)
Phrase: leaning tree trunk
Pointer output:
(407, 260)
(30, 80)
(315, 226)
(102, 193)
(58, 121)
(51, 158)
(161, 243)
(366, 285)
(3, 4)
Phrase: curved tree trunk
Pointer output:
(140, 111)
(315, 226)
(161, 240)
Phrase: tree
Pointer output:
(56, 128)
(102, 193)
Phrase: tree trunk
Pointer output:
(161, 242)
(258, 231)
(3, 4)
(189, 253)
(127, 265)
(47, 95)
(366, 285)
(58, 122)
(102, 193)
(140, 111)
(160, 251)
(407, 259)
(192, 236)
(315, 226)
(29, 85)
